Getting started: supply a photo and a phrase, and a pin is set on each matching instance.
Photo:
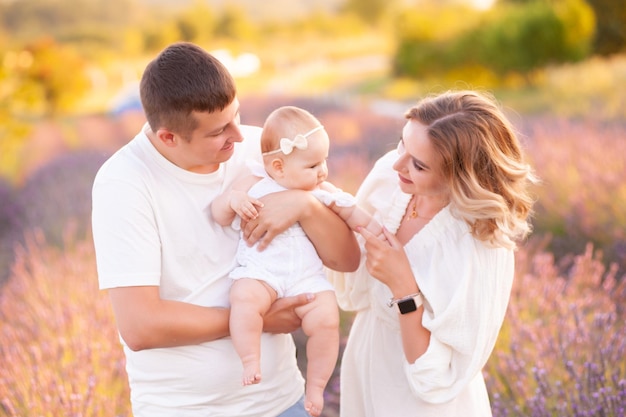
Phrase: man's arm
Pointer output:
(334, 241)
(145, 321)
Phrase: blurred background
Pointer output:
(69, 73)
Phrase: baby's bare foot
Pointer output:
(251, 374)
(314, 402)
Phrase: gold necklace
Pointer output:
(414, 214)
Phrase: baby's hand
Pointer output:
(244, 205)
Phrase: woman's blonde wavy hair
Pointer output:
(482, 162)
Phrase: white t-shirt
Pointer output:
(152, 226)
(466, 287)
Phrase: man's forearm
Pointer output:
(334, 241)
(145, 321)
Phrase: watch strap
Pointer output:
(407, 304)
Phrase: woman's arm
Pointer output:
(388, 263)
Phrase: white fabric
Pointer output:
(152, 226)
(340, 198)
(466, 287)
(290, 264)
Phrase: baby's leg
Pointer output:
(320, 322)
(249, 300)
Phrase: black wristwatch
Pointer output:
(407, 304)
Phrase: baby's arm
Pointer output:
(236, 201)
(353, 215)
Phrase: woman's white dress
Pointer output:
(466, 287)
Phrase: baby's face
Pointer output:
(306, 169)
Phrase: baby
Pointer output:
(295, 148)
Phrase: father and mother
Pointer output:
(430, 293)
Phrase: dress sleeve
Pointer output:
(467, 287)
(375, 195)
(340, 198)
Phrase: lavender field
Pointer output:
(561, 351)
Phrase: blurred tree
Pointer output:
(235, 24)
(43, 79)
(371, 11)
(517, 38)
(159, 33)
(15, 104)
(610, 35)
(579, 21)
(534, 35)
(427, 38)
(71, 21)
(197, 22)
(525, 38)
(610, 29)
(55, 75)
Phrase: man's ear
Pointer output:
(166, 137)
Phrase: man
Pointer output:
(165, 261)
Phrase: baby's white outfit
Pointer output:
(290, 264)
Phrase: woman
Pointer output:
(431, 297)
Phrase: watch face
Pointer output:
(407, 306)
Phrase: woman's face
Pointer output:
(418, 165)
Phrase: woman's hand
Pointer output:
(387, 262)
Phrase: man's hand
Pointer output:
(280, 211)
(282, 317)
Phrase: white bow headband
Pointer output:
(300, 142)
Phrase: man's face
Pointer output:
(211, 142)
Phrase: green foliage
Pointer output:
(15, 100)
(196, 22)
(52, 75)
(235, 24)
(516, 38)
(57, 75)
(370, 11)
(29, 19)
(523, 39)
(157, 35)
(428, 40)
(610, 37)
(579, 21)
